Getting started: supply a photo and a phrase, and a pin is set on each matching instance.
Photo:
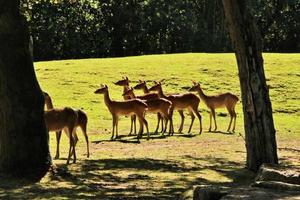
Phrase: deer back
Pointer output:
(56, 119)
(183, 101)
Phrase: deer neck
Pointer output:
(125, 88)
(132, 95)
(201, 94)
(107, 99)
(145, 89)
(49, 104)
(161, 93)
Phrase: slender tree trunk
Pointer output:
(258, 119)
(24, 150)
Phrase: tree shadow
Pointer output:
(135, 178)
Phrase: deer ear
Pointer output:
(159, 83)
(126, 78)
(140, 81)
(106, 86)
(155, 82)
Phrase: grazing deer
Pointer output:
(160, 105)
(125, 83)
(180, 102)
(227, 100)
(63, 119)
(128, 107)
(81, 122)
(143, 86)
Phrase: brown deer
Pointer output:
(227, 100)
(81, 122)
(125, 83)
(128, 107)
(63, 119)
(160, 105)
(143, 86)
(180, 102)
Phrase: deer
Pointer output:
(129, 107)
(142, 85)
(180, 102)
(63, 119)
(125, 83)
(227, 100)
(160, 105)
(81, 122)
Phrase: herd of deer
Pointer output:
(153, 101)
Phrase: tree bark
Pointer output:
(24, 149)
(258, 119)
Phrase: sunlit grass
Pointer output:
(163, 167)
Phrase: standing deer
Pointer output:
(160, 105)
(180, 102)
(81, 122)
(129, 107)
(63, 119)
(143, 86)
(125, 83)
(227, 100)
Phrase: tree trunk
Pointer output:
(24, 149)
(258, 119)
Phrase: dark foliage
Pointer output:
(93, 28)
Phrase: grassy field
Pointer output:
(163, 167)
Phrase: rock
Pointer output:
(279, 174)
(209, 192)
(276, 185)
(254, 193)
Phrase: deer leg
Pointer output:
(71, 145)
(171, 129)
(83, 129)
(210, 116)
(75, 140)
(162, 122)
(58, 136)
(113, 130)
(234, 120)
(74, 145)
(166, 117)
(158, 122)
(182, 120)
(214, 116)
(117, 123)
(143, 121)
(192, 120)
(141, 127)
(131, 124)
(231, 117)
(134, 123)
(195, 110)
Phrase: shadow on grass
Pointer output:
(134, 179)
(221, 132)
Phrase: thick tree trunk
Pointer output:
(258, 119)
(24, 149)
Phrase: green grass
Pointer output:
(163, 167)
